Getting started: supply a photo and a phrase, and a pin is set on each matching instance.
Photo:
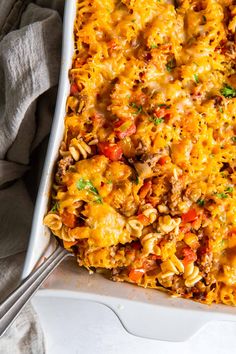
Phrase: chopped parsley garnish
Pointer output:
(98, 200)
(55, 206)
(196, 78)
(171, 64)
(225, 195)
(201, 202)
(228, 91)
(156, 121)
(164, 105)
(154, 46)
(233, 139)
(229, 189)
(221, 110)
(221, 195)
(138, 108)
(136, 180)
(82, 184)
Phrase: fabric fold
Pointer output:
(30, 46)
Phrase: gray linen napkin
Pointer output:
(30, 41)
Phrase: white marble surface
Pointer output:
(74, 326)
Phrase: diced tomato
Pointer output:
(189, 255)
(162, 112)
(145, 189)
(136, 274)
(163, 160)
(123, 129)
(143, 219)
(68, 219)
(74, 89)
(190, 216)
(69, 244)
(159, 112)
(112, 151)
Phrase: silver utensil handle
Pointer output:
(10, 308)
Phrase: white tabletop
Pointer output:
(74, 326)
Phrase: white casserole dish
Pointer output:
(144, 312)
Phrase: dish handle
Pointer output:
(159, 322)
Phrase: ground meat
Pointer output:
(205, 263)
(150, 159)
(178, 285)
(63, 166)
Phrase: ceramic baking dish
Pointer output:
(144, 312)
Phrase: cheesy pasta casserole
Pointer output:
(145, 182)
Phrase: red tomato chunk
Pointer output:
(112, 151)
(190, 216)
(124, 128)
(136, 274)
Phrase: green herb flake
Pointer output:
(233, 139)
(164, 105)
(109, 181)
(221, 110)
(138, 108)
(229, 190)
(228, 91)
(156, 121)
(222, 195)
(82, 184)
(196, 78)
(171, 64)
(136, 181)
(154, 46)
(55, 207)
(201, 202)
(98, 200)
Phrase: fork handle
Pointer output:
(14, 303)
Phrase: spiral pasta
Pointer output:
(191, 275)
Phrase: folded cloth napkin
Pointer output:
(30, 44)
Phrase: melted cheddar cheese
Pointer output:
(145, 183)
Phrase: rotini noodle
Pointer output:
(191, 275)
